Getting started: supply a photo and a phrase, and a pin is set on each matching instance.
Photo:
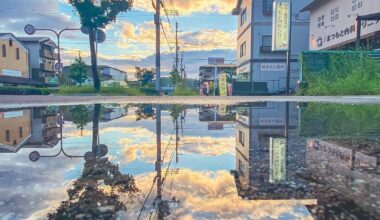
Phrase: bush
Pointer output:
(182, 91)
(20, 90)
(342, 74)
(111, 90)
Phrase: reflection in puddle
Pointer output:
(255, 161)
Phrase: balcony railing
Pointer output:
(47, 67)
(45, 53)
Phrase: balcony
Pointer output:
(47, 54)
(47, 67)
(266, 49)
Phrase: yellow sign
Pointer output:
(281, 25)
(277, 152)
(223, 84)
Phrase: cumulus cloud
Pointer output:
(213, 195)
(41, 13)
(193, 6)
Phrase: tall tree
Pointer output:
(95, 14)
(78, 71)
(144, 75)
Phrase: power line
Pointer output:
(167, 41)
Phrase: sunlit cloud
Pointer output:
(186, 7)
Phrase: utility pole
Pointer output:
(157, 21)
(176, 46)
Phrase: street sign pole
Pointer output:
(289, 53)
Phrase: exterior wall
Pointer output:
(340, 28)
(114, 73)
(36, 60)
(10, 63)
(12, 121)
(267, 66)
(244, 35)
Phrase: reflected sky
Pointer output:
(257, 161)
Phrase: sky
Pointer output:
(206, 29)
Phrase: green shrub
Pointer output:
(110, 90)
(341, 74)
(22, 90)
(182, 91)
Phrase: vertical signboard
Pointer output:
(277, 150)
(223, 84)
(281, 25)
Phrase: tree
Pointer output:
(94, 15)
(176, 78)
(80, 115)
(78, 71)
(144, 75)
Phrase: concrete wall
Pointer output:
(9, 65)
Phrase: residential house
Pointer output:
(15, 129)
(333, 24)
(14, 62)
(255, 59)
(42, 59)
(106, 73)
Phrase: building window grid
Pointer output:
(4, 49)
(243, 17)
(18, 53)
(268, 7)
(8, 135)
(10, 42)
(243, 49)
(241, 138)
(20, 132)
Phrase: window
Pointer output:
(20, 132)
(243, 49)
(268, 7)
(241, 138)
(10, 42)
(267, 41)
(266, 45)
(243, 17)
(17, 53)
(241, 167)
(4, 51)
(8, 135)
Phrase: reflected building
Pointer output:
(15, 129)
(27, 128)
(269, 153)
(216, 116)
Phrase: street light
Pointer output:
(101, 151)
(31, 30)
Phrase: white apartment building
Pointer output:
(255, 60)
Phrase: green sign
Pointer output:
(53, 80)
(223, 84)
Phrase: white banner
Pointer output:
(281, 25)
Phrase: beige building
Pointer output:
(15, 129)
(14, 58)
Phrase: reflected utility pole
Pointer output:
(158, 160)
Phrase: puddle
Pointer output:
(264, 160)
